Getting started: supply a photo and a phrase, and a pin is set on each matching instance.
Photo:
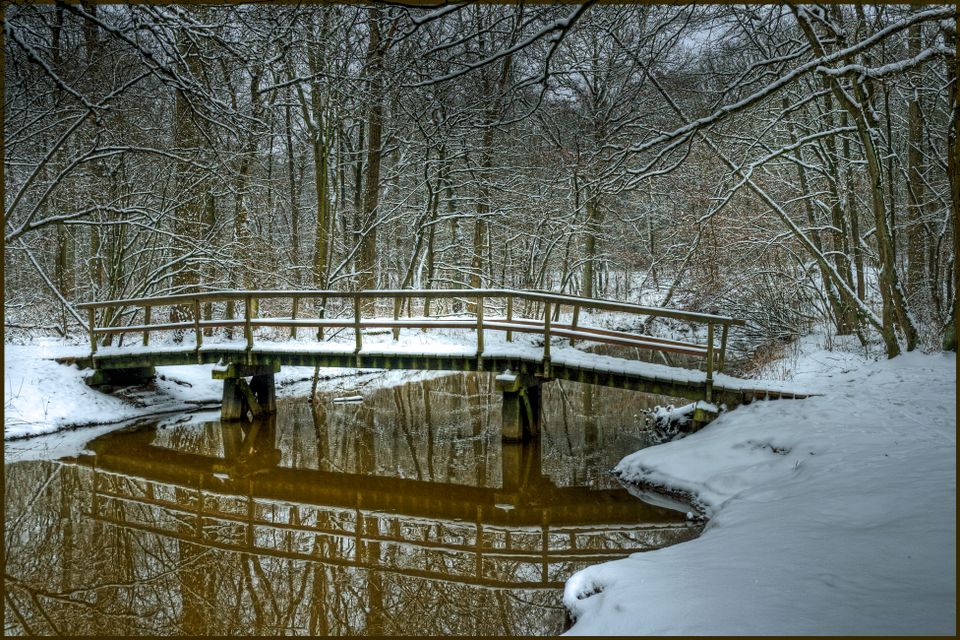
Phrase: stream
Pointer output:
(402, 514)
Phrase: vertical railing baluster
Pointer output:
(709, 387)
(356, 321)
(146, 323)
(92, 321)
(293, 316)
(723, 346)
(321, 315)
(397, 303)
(479, 325)
(509, 317)
(196, 324)
(546, 331)
(247, 327)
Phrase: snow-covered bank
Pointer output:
(830, 515)
(42, 396)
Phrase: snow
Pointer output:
(835, 514)
(348, 399)
(682, 413)
(42, 396)
(73, 441)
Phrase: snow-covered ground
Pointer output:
(830, 515)
(42, 396)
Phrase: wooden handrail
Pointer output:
(537, 296)
(628, 307)
(550, 303)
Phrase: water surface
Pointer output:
(400, 515)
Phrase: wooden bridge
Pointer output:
(212, 318)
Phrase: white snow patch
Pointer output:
(830, 515)
(42, 396)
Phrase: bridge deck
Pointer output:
(565, 363)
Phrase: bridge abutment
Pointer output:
(521, 406)
(257, 397)
(105, 379)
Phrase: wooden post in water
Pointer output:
(258, 397)
(723, 346)
(146, 322)
(709, 387)
(479, 325)
(521, 406)
(509, 317)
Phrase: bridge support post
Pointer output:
(521, 406)
(258, 397)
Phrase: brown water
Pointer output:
(400, 515)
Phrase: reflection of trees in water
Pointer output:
(424, 430)
(142, 568)
(77, 574)
(588, 429)
(427, 430)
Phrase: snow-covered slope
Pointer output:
(41, 396)
(830, 515)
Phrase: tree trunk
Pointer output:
(294, 202)
(367, 267)
(189, 211)
(951, 332)
(591, 229)
(894, 304)
(915, 189)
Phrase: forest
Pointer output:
(791, 165)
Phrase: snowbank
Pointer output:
(42, 396)
(830, 515)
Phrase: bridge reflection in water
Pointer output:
(364, 530)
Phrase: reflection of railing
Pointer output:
(540, 315)
(475, 553)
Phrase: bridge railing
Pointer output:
(516, 311)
